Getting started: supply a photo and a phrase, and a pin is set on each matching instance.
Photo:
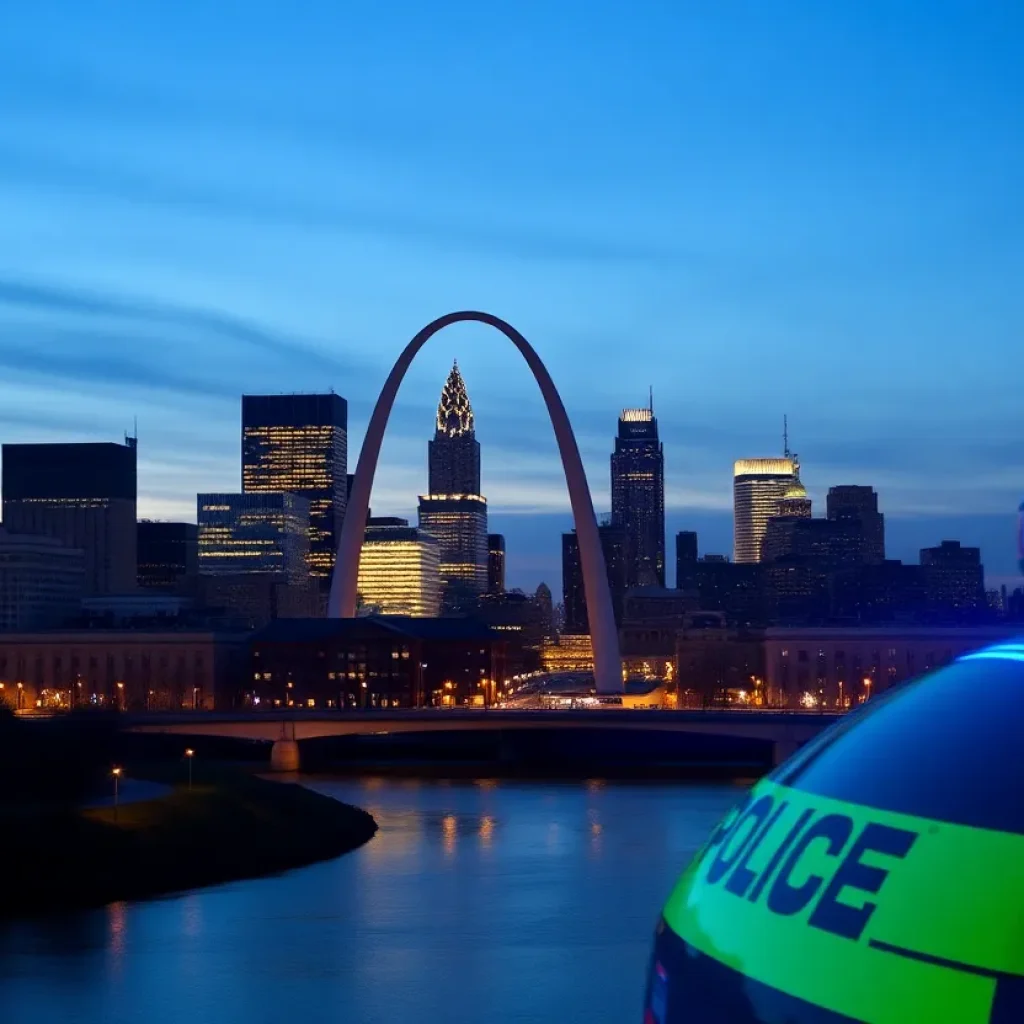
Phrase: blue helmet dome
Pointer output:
(876, 876)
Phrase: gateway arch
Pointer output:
(603, 632)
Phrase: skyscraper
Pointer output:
(638, 496)
(852, 501)
(759, 485)
(299, 444)
(454, 512)
(85, 496)
(574, 597)
(495, 563)
(686, 560)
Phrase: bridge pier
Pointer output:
(284, 756)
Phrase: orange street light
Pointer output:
(189, 754)
(116, 772)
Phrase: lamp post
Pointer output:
(21, 691)
(116, 772)
(189, 754)
(120, 696)
(867, 687)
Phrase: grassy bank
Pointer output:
(229, 826)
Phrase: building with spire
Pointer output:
(454, 512)
(759, 487)
(795, 503)
(638, 496)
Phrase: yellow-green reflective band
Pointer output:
(883, 917)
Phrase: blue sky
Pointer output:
(758, 207)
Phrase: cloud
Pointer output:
(448, 232)
(51, 299)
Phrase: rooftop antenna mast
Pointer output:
(652, 399)
(785, 437)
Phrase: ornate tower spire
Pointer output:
(454, 413)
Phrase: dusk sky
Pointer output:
(756, 207)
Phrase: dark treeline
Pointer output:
(55, 761)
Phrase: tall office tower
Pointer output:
(852, 501)
(686, 560)
(454, 513)
(399, 570)
(168, 556)
(574, 598)
(298, 444)
(758, 487)
(254, 533)
(85, 496)
(495, 563)
(638, 496)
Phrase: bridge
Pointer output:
(785, 731)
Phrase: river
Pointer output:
(476, 902)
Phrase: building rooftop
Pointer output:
(308, 630)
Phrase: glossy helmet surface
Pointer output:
(876, 876)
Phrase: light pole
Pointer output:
(189, 754)
(420, 697)
(116, 772)
(21, 691)
(120, 696)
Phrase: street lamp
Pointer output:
(120, 696)
(189, 754)
(21, 690)
(116, 772)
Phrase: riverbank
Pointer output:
(229, 826)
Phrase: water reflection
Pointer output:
(475, 901)
(486, 830)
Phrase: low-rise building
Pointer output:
(125, 669)
(375, 661)
(840, 668)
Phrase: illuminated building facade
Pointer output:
(454, 513)
(399, 570)
(638, 496)
(758, 487)
(298, 444)
(567, 653)
(84, 495)
(495, 563)
(253, 533)
(795, 503)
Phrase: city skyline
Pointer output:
(733, 255)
